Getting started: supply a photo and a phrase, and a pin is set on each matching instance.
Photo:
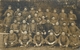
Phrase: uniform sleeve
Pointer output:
(67, 41)
(11, 27)
(59, 41)
(5, 13)
(30, 38)
(15, 38)
(46, 39)
(20, 39)
(42, 39)
(34, 40)
(75, 18)
(5, 38)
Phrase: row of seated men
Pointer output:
(25, 40)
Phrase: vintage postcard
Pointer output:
(39, 24)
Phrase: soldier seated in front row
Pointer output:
(74, 41)
(38, 40)
(63, 40)
(10, 40)
(25, 39)
(51, 39)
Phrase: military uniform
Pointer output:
(56, 16)
(11, 38)
(7, 23)
(25, 39)
(32, 12)
(33, 28)
(74, 29)
(63, 17)
(40, 14)
(51, 39)
(16, 13)
(38, 39)
(57, 30)
(74, 41)
(48, 15)
(25, 13)
(47, 27)
(19, 19)
(23, 27)
(65, 29)
(72, 17)
(53, 22)
(9, 11)
(63, 41)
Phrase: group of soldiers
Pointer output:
(36, 27)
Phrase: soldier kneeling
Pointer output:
(51, 39)
(11, 39)
(25, 39)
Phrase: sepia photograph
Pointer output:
(39, 24)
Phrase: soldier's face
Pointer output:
(39, 10)
(62, 11)
(54, 11)
(38, 33)
(33, 21)
(15, 21)
(64, 24)
(35, 15)
(29, 16)
(48, 21)
(72, 24)
(57, 23)
(71, 12)
(43, 17)
(9, 7)
(25, 9)
(53, 18)
(47, 10)
(24, 21)
(32, 8)
(11, 31)
(51, 33)
(18, 9)
(25, 32)
(8, 14)
(63, 33)
(19, 14)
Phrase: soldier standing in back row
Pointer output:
(72, 17)
(32, 12)
(7, 22)
(48, 14)
(63, 17)
(9, 10)
(55, 15)
(40, 13)
(25, 13)
(16, 12)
